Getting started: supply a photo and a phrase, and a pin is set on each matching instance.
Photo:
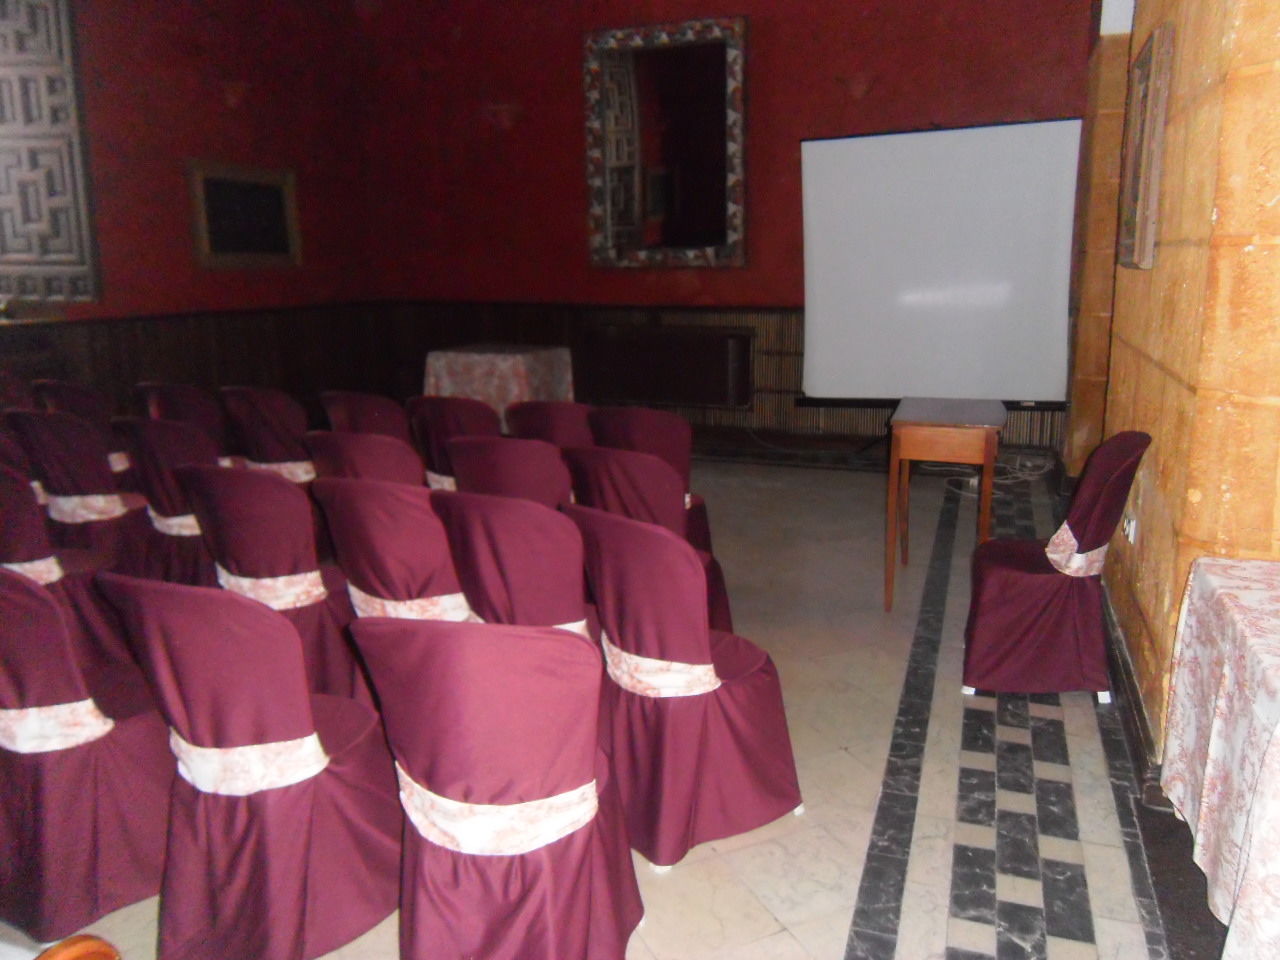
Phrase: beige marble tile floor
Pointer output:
(802, 551)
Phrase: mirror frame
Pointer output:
(731, 31)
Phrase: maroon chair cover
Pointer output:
(1035, 612)
(186, 403)
(158, 447)
(258, 527)
(269, 426)
(511, 467)
(14, 457)
(644, 487)
(95, 635)
(368, 456)
(92, 405)
(699, 740)
(15, 391)
(487, 714)
(518, 561)
(284, 829)
(562, 422)
(353, 412)
(87, 508)
(84, 788)
(393, 549)
(434, 420)
(664, 434)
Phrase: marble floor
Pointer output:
(936, 825)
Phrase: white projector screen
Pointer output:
(937, 263)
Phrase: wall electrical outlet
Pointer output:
(1130, 528)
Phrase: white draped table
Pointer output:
(500, 374)
(1221, 764)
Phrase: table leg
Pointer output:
(904, 507)
(891, 523)
(987, 487)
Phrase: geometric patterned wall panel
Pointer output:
(46, 236)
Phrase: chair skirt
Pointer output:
(293, 872)
(1032, 629)
(699, 768)
(574, 899)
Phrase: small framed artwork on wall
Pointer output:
(1143, 146)
(244, 217)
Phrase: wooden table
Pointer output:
(1221, 764)
(500, 374)
(942, 431)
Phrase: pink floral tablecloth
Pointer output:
(1221, 758)
(499, 374)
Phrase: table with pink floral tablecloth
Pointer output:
(1221, 764)
(500, 374)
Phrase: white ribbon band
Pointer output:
(688, 500)
(182, 525)
(58, 727)
(86, 508)
(484, 829)
(231, 461)
(118, 461)
(44, 571)
(440, 481)
(37, 488)
(446, 606)
(241, 771)
(297, 471)
(578, 626)
(648, 677)
(288, 592)
(1062, 553)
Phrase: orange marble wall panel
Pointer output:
(1249, 173)
(1109, 73)
(1092, 345)
(1231, 497)
(1256, 33)
(1241, 349)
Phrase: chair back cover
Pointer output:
(354, 412)
(562, 422)
(494, 714)
(11, 453)
(84, 401)
(37, 668)
(366, 456)
(637, 485)
(287, 848)
(648, 585)
(388, 539)
(663, 433)
(511, 467)
(260, 526)
(24, 536)
(519, 562)
(68, 454)
(186, 403)
(268, 423)
(15, 391)
(434, 420)
(1099, 497)
(159, 447)
(227, 672)
(83, 794)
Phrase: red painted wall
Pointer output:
(477, 136)
(438, 147)
(163, 82)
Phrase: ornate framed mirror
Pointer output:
(664, 129)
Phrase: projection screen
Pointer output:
(937, 263)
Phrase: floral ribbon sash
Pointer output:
(289, 592)
(57, 727)
(648, 677)
(1062, 551)
(241, 771)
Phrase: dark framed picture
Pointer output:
(1143, 146)
(245, 217)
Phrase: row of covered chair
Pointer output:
(504, 594)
